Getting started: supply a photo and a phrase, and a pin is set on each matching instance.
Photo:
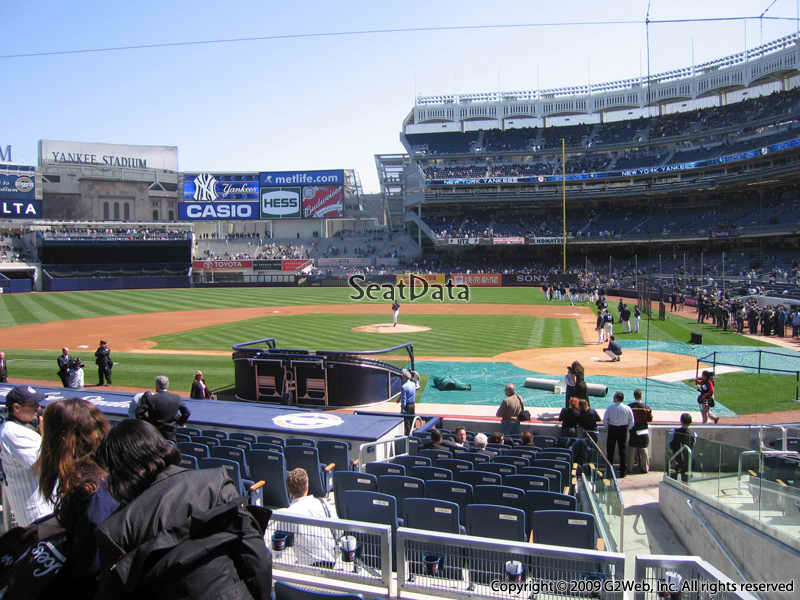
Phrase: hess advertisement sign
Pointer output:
(280, 203)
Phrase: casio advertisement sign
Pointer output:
(218, 211)
(280, 203)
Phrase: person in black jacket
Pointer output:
(200, 390)
(180, 534)
(102, 358)
(163, 409)
(63, 366)
(3, 368)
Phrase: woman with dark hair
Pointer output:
(569, 419)
(587, 421)
(179, 533)
(580, 390)
(70, 477)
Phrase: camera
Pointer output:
(76, 363)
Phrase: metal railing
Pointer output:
(313, 547)
(382, 450)
(606, 497)
(472, 567)
(670, 457)
(656, 572)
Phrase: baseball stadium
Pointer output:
(645, 229)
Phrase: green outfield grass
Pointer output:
(450, 335)
(135, 370)
(746, 393)
(38, 307)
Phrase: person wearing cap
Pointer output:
(408, 398)
(619, 419)
(102, 357)
(19, 449)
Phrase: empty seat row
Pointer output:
(541, 523)
(462, 494)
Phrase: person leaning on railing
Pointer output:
(678, 438)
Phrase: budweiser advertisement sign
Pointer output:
(295, 264)
(323, 201)
(222, 265)
(477, 279)
(507, 240)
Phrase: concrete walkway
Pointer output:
(646, 530)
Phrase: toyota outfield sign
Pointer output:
(280, 203)
(220, 187)
(300, 178)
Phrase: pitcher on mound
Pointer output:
(395, 312)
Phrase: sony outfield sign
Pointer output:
(108, 155)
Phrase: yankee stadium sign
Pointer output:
(95, 154)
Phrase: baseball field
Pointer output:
(501, 333)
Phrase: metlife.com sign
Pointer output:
(300, 178)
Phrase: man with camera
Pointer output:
(75, 373)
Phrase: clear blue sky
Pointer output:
(315, 103)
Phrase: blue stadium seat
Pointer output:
(560, 454)
(452, 491)
(287, 591)
(479, 477)
(541, 500)
(525, 452)
(454, 464)
(564, 528)
(245, 437)
(501, 469)
(270, 467)
(207, 440)
(271, 439)
(235, 454)
(246, 487)
(413, 446)
(215, 433)
(412, 461)
(544, 441)
(194, 449)
(552, 475)
(431, 514)
(500, 495)
(384, 468)
(179, 437)
(351, 480)
(400, 486)
(528, 482)
(476, 458)
(336, 452)
(241, 444)
(188, 461)
(190, 431)
(372, 507)
(517, 461)
(499, 522)
(299, 441)
(270, 447)
(497, 448)
(430, 473)
(435, 454)
(320, 477)
(562, 466)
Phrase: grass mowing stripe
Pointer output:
(50, 304)
(18, 309)
(32, 303)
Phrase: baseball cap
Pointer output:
(24, 394)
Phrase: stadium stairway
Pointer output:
(646, 530)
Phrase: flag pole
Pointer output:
(564, 205)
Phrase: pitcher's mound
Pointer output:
(387, 328)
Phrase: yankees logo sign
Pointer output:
(205, 188)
